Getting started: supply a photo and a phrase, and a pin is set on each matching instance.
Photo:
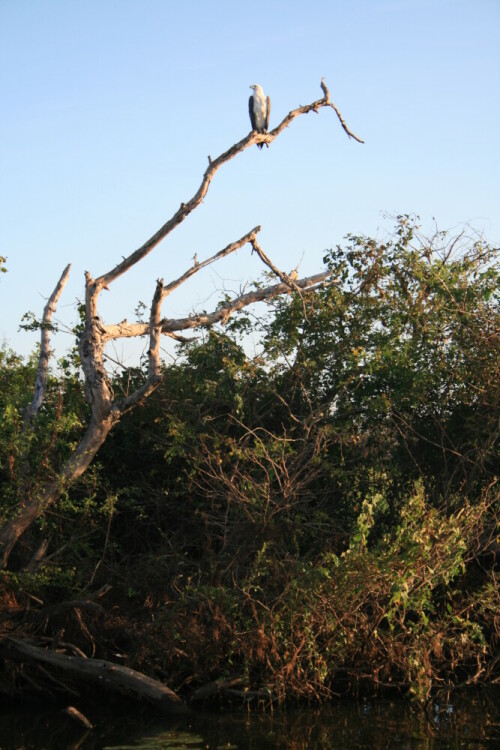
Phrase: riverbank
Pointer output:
(413, 614)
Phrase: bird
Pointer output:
(259, 108)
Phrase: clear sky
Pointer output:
(109, 109)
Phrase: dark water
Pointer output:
(471, 720)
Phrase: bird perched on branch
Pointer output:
(259, 107)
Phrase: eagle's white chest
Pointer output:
(260, 109)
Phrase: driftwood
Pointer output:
(105, 673)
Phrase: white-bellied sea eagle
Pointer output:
(259, 107)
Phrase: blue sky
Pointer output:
(111, 107)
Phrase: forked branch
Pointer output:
(221, 314)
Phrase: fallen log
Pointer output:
(105, 673)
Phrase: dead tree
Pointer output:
(107, 409)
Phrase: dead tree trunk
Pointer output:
(106, 409)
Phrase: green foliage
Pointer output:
(316, 518)
(59, 422)
(31, 457)
(31, 323)
(402, 350)
(52, 582)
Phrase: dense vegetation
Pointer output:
(318, 519)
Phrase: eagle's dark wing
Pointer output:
(251, 112)
(268, 111)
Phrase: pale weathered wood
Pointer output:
(205, 320)
(285, 278)
(44, 356)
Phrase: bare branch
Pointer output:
(326, 92)
(44, 356)
(155, 330)
(179, 216)
(203, 320)
(113, 676)
(186, 208)
(154, 371)
(313, 107)
(285, 278)
(98, 385)
(222, 314)
(249, 237)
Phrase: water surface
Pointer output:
(471, 720)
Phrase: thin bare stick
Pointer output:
(154, 369)
(285, 278)
(313, 107)
(326, 92)
(225, 311)
(197, 266)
